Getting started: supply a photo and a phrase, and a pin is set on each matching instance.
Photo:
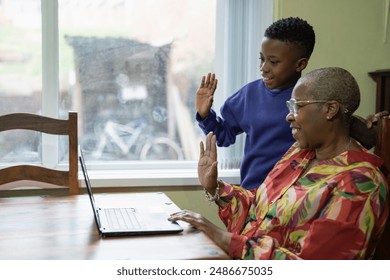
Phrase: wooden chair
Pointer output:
(359, 131)
(53, 178)
(382, 149)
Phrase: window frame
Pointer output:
(239, 25)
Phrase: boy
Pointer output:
(259, 108)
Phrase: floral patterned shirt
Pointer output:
(337, 210)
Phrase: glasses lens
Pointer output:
(291, 106)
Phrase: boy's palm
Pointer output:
(205, 94)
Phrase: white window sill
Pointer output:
(136, 175)
(151, 178)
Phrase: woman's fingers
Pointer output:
(186, 216)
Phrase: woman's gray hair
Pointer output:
(334, 84)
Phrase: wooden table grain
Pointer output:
(63, 228)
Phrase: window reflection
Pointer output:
(131, 70)
(135, 64)
(20, 75)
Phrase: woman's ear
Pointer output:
(301, 64)
(332, 109)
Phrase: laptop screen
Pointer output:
(89, 188)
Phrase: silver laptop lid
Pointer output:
(89, 189)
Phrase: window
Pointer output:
(20, 74)
(130, 69)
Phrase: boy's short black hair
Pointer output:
(293, 30)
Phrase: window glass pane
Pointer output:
(20, 146)
(20, 74)
(131, 69)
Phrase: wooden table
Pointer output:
(44, 228)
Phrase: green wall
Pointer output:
(195, 200)
(351, 34)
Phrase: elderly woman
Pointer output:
(325, 199)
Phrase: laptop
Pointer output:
(128, 221)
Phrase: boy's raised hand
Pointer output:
(205, 94)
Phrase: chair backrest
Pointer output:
(382, 149)
(359, 131)
(63, 178)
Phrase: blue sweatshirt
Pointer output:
(261, 114)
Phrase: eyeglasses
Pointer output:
(293, 108)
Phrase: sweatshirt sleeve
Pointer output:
(225, 129)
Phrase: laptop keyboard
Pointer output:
(122, 218)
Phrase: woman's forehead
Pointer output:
(301, 91)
